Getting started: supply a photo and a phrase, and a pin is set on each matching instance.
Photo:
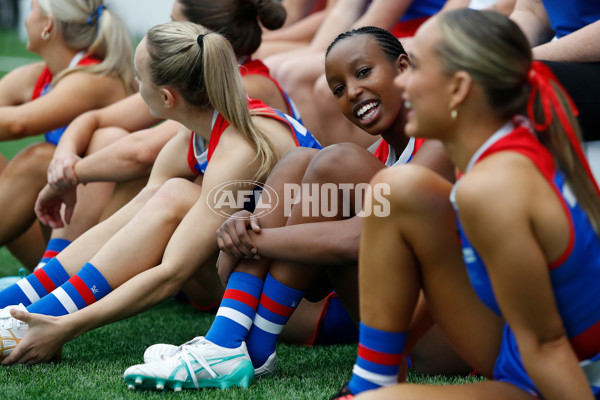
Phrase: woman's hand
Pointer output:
(233, 238)
(61, 172)
(43, 341)
(49, 204)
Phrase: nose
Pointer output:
(354, 91)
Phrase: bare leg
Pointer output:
(297, 76)
(414, 247)
(343, 163)
(84, 247)
(20, 183)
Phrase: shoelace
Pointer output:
(186, 352)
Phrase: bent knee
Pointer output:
(177, 195)
(413, 187)
(342, 160)
(33, 159)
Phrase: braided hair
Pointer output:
(390, 45)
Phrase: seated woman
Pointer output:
(524, 311)
(86, 64)
(302, 253)
(151, 247)
(128, 161)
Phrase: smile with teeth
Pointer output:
(367, 110)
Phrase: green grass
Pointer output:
(93, 364)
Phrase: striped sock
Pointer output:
(83, 289)
(54, 247)
(378, 361)
(236, 312)
(35, 286)
(277, 303)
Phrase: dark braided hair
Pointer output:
(390, 45)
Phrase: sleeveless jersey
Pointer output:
(575, 275)
(387, 155)
(257, 67)
(198, 158)
(43, 86)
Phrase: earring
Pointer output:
(453, 114)
(45, 35)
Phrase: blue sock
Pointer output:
(54, 247)
(236, 312)
(83, 289)
(277, 303)
(378, 361)
(35, 286)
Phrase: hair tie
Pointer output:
(540, 78)
(95, 15)
(200, 40)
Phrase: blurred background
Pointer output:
(139, 16)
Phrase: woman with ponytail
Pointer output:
(128, 162)
(86, 64)
(165, 236)
(520, 305)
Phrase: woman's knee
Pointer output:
(176, 196)
(32, 162)
(412, 187)
(342, 161)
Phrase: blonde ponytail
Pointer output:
(201, 65)
(91, 27)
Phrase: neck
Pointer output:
(468, 137)
(57, 58)
(197, 119)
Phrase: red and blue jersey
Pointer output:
(387, 155)
(575, 275)
(565, 20)
(257, 67)
(43, 86)
(198, 157)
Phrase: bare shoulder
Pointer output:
(16, 87)
(504, 182)
(104, 89)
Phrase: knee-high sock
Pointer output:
(236, 312)
(35, 286)
(83, 289)
(277, 303)
(378, 360)
(54, 247)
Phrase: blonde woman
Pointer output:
(151, 247)
(129, 161)
(86, 64)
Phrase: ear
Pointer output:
(460, 87)
(48, 24)
(169, 97)
(402, 62)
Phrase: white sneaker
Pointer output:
(162, 351)
(199, 363)
(11, 330)
(11, 280)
